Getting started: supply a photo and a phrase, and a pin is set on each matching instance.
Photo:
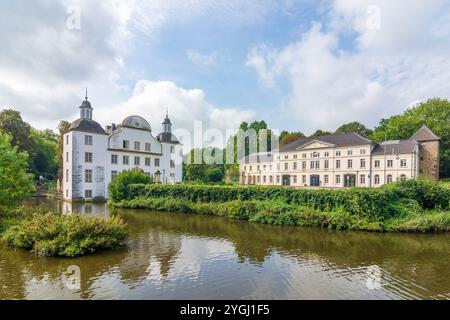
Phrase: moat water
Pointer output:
(179, 256)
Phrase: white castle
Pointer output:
(93, 156)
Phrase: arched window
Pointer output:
(377, 179)
(403, 177)
(389, 178)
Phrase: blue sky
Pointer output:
(299, 65)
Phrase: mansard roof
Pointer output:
(86, 125)
(136, 122)
(395, 147)
(337, 140)
(424, 134)
(167, 137)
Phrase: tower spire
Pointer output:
(86, 93)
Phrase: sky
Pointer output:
(299, 65)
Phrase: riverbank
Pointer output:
(54, 234)
(410, 206)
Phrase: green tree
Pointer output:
(118, 188)
(435, 114)
(289, 137)
(320, 133)
(11, 123)
(354, 127)
(215, 174)
(44, 158)
(15, 184)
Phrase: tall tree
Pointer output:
(435, 114)
(15, 184)
(63, 126)
(11, 123)
(320, 133)
(354, 127)
(288, 137)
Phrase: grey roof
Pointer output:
(397, 147)
(86, 104)
(338, 140)
(258, 158)
(424, 134)
(86, 125)
(167, 137)
(167, 120)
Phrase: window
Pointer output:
(148, 147)
(264, 179)
(156, 162)
(67, 139)
(88, 176)
(326, 179)
(349, 164)
(317, 164)
(67, 175)
(390, 163)
(403, 177)
(327, 154)
(250, 168)
(389, 178)
(338, 153)
(172, 149)
(363, 163)
(172, 163)
(67, 157)
(126, 160)
(362, 179)
(338, 179)
(362, 151)
(88, 157)
(264, 167)
(338, 164)
(295, 165)
(126, 144)
(113, 175)
(67, 193)
(295, 179)
(295, 156)
(258, 168)
(311, 165)
(88, 194)
(377, 163)
(278, 179)
(148, 162)
(286, 157)
(114, 159)
(326, 164)
(377, 179)
(137, 146)
(88, 140)
(286, 166)
(403, 163)
(271, 179)
(316, 154)
(137, 161)
(304, 165)
(304, 155)
(303, 179)
(349, 152)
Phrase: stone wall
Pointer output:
(429, 159)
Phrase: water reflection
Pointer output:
(176, 256)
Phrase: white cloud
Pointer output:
(207, 60)
(151, 99)
(404, 61)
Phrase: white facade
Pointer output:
(333, 162)
(92, 156)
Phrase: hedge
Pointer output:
(364, 202)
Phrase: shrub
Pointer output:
(66, 235)
(119, 187)
(429, 194)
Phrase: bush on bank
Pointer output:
(280, 213)
(119, 187)
(66, 235)
(363, 202)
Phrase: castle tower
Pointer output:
(86, 109)
(429, 147)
